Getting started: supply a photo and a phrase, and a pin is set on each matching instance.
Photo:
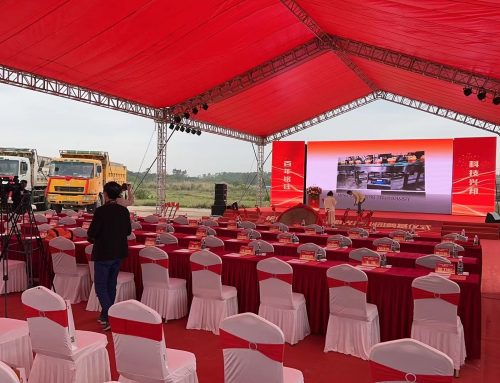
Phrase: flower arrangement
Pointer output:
(314, 192)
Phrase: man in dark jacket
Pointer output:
(108, 232)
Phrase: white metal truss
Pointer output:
(439, 111)
(161, 165)
(418, 65)
(58, 88)
(221, 131)
(328, 41)
(254, 76)
(322, 117)
(260, 173)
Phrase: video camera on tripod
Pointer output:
(12, 187)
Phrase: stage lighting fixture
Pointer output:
(198, 132)
(194, 110)
(496, 100)
(467, 91)
(182, 128)
(204, 106)
(177, 119)
(481, 95)
(193, 131)
(186, 114)
(177, 127)
(188, 130)
(171, 126)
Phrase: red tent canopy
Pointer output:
(261, 65)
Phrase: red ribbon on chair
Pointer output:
(217, 268)
(70, 252)
(452, 298)
(161, 262)
(58, 316)
(272, 351)
(360, 285)
(153, 331)
(263, 275)
(381, 373)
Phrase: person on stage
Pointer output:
(329, 203)
(108, 232)
(359, 198)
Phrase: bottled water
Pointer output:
(460, 265)
(476, 240)
(258, 249)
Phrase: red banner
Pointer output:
(474, 161)
(287, 182)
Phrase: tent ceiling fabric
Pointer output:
(162, 53)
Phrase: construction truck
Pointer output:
(26, 164)
(76, 179)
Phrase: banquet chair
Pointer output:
(15, 344)
(212, 301)
(455, 237)
(131, 237)
(317, 228)
(50, 213)
(265, 247)
(67, 222)
(247, 225)
(151, 218)
(140, 350)
(69, 213)
(18, 278)
(401, 233)
(359, 231)
(136, 226)
(430, 261)
(125, 285)
(318, 250)
(166, 295)
(435, 319)
(252, 233)
(71, 281)
(453, 248)
(358, 254)
(408, 360)
(353, 324)
(44, 227)
(343, 240)
(181, 220)
(281, 226)
(247, 341)
(78, 232)
(213, 242)
(8, 374)
(168, 239)
(285, 234)
(169, 229)
(208, 230)
(387, 241)
(209, 222)
(63, 354)
(278, 303)
(39, 219)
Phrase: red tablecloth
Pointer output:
(141, 235)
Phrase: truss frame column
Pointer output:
(161, 165)
(260, 174)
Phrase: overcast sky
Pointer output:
(48, 123)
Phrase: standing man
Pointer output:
(108, 232)
(359, 198)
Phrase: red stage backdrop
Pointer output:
(474, 162)
(287, 177)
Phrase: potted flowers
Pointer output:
(313, 194)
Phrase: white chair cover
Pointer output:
(125, 285)
(210, 222)
(151, 219)
(317, 228)
(358, 254)
(343, 240)
(360, 231)
(387, 241)
(136, 226)
(213, 242)
(212, 301)
(248, 356)
(70, 213)
(353, 325)
(15, 344)
(140, 351)
(435, 319)
(312, 247)
(131, 237)
(281, 226)
(208, 230)
(40, 218)
(285, 234)
(265, 247)
(278, 303)
(71, 281)
(407, 360)
(401, 233)
(167, 296)
(452, 247)
(7, 374)
(430, 261)
(44, 227)
(252, 234)
(247, 225)
(63, 354)
(79, 232)
(455, 237)
(67, 221)
(181, 220)
(18, 279)
(168, 239)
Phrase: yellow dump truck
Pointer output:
(76, 179)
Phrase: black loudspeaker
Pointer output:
(492, 217)
(218, 209)
(220, 195)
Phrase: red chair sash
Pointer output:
(263, 275)
(452, 298)
(153, 331)
(161, 262)
(217, 268)
(360, 285)
(272, 351)
(381, 373)
(58, 316)
(54, 250)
